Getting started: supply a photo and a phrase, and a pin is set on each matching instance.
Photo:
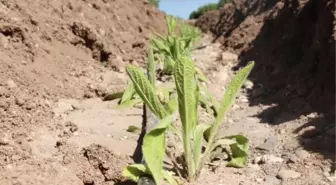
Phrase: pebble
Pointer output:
(288, 174)
(268, 144)
(11, 84)
(312, 115)
(308, 131)
(282, 131)
(19, 101)
(302, 154)
(248, 84)
(243, 99)
(257, 160)
(271, 159)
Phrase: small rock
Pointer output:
(271, 159)
(243, 99)
(4, 140)
(282, 131)
(302, 154)
(11, 84)
(228, 57)
(235, 107)
(271, 180)
(248, 84)
(308, 131)
(293, 158)
(19, 101)
(258, 179)
(288, 174)
(257, 160)
(268, 144)
(312, 115)
(31, 106)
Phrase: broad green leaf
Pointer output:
(184, 74)
(146, 91)
(232, 90)
(134, 129)
(134, 171)
(128, 93)
(129, 104)
(154, 148)
(223, 141)
(113, 96)
(229, 96)
(186, 89)
(198, 143)
(239, 150)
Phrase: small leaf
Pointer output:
(134, 171)
(146, 91)
(128, 93)
(200, 75)
(172, 105)
(129, 103)
(154, 148)
(169, 177)
(134, 129)
(198, 143)
(239, 151)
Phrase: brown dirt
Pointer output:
(60, 57)
(292, 43)
(62, 49)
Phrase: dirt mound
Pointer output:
(292, 44)
(64, 49)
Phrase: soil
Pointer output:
(59, 58)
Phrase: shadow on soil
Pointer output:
(126, 183)
(295, 70)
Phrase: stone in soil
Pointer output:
(268, 144)
(271, 159)
(288, 174)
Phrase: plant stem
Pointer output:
(188, 155)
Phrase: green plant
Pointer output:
(192, 131)
(222, 2)
(164, 50)
(155, 2)
(207, 7)
(201, 10)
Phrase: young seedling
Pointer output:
(192, 130)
